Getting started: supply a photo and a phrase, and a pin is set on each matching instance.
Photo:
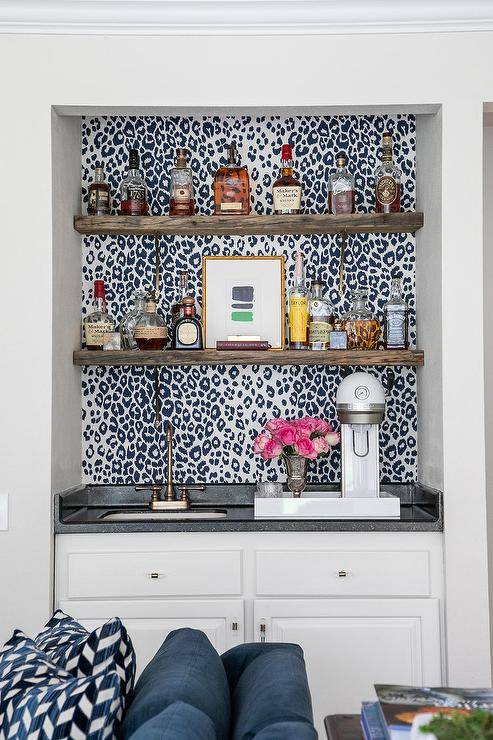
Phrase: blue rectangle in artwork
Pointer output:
(243, 293)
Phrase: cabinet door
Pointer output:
(351, 644)
(148, 622)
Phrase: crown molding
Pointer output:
(243, 17)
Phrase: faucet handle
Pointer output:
(152, 487)
(184, 490)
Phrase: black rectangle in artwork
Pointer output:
(242, 305)
(242, 293)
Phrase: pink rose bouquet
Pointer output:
(308, 437)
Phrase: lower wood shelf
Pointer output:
(335, 358)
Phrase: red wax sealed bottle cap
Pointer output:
(286, 152)
(99, 291)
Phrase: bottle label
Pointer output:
(319, 331)
(298, 318)
(342, 202)
(338, 340)
(182, 193)
(386, 190)
(396, 332)
(187, 333)
(95, 331)
(136, 192)
(150, 332)
(99, 199)
(231, 207)
(287, 198)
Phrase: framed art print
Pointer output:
(243, 296)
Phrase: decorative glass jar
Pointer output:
(363, 329)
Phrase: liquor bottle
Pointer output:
(341, 187)
(387, 180)
(187, 332)
(150, 330)
(181, 197)
(177, 309)
(321, 318)
(231, 187)
(298, 307)
(99, 201)
(363, 329)
(286, 191)
(396, 319)
(133, 190)
(128, 324)
(99, 322)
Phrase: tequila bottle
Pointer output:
(396, 319)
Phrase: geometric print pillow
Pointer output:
(40, 700)
(107, 648)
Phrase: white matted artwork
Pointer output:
(244, 296)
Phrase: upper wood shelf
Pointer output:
(355, 223)
(334, 358)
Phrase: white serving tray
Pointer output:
(327, 505)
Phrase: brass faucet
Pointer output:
(170, 502)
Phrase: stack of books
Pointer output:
(392, 716)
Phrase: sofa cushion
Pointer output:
(269, 692)
(179, 721)
(38, 699)
(186, 668)
(107, 648)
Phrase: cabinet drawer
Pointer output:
(155, 573)
(339, 573)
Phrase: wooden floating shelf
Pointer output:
(335, 358)
(356, 223)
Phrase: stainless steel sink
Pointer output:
(146, 515)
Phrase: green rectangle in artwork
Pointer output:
(243, 316)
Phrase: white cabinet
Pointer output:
(350, 644)
(148, 622)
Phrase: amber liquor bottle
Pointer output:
(99, 201)
(387, 180)
(150, 330)
(231, 187)
(99, 322)
(286, 191)
(133, 190)
(181, 202)
(187, 332)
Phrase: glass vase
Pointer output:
(296, 470)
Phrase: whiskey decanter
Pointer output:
(128, 324)
(232, 187)
(363, 329)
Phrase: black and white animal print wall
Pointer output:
(216, 411)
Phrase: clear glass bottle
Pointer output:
(99, 322)
(177, 309)
(298, 307)
(363, 329)
(396, 318)
(341, 187)
(181, 197)
(150, 330)
(133, 190)
(321, 317)
(387, 180)
(187, 332)
(231, 187)
(286, 191)
(98, 193)
(128, 324)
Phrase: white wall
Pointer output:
(451, 70)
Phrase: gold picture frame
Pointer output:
(211, 299)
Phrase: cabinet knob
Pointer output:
(235, 626)
(155, 575)
(343, 573)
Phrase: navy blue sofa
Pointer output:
(189, 692)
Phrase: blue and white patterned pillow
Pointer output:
(38, 699)
(107, 648)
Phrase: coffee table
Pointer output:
(343, 727)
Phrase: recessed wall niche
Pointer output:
(216, 411)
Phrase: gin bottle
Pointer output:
(396, 319)
(298, 307)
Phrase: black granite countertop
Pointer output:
(82, 510)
